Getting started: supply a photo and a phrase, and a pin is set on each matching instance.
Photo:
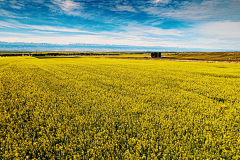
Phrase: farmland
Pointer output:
(202, 56)
(207, 56)
(83, 108)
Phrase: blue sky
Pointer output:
(166, 25)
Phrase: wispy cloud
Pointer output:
(162, 1)
(70, 7)
(16, 4)
(204, 43)
(196, 10)
(191, 11)
(67, 5)
(146, 30)
(91, 39)
(132, 34)
(213, 43)
(8, 14)
(39, 1)
(221, 30)
(124, 8)
(57, 29)
(169, 23)
(214, 35)
(14, 34)
(15, 24)
(183, 11)
(135, 38)
(6, 24)
(44, 32)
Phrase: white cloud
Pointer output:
(14, 33)
(57, 29)
(124, 8)
(162, 1)
(204, 43)
(44, 32)
(192, 11)
(221, 30)
(16, 4)
(128, 38)
(159, 31)
(196, 10)
(8, 14)
(213, 43)
(38, 1)
(92, 39)
(133, 34)
(139, 29)
(67, 5)
(184, 10)
(6, 25)
(15, 24)
(214, 35)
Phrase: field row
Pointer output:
(82, 108)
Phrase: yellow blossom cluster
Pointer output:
(96, 108)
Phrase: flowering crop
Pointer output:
(86, 108)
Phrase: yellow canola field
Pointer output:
(86, 108)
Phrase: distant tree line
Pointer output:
(54, 54)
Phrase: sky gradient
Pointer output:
(138, 25)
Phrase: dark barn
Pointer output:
(156, 54)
